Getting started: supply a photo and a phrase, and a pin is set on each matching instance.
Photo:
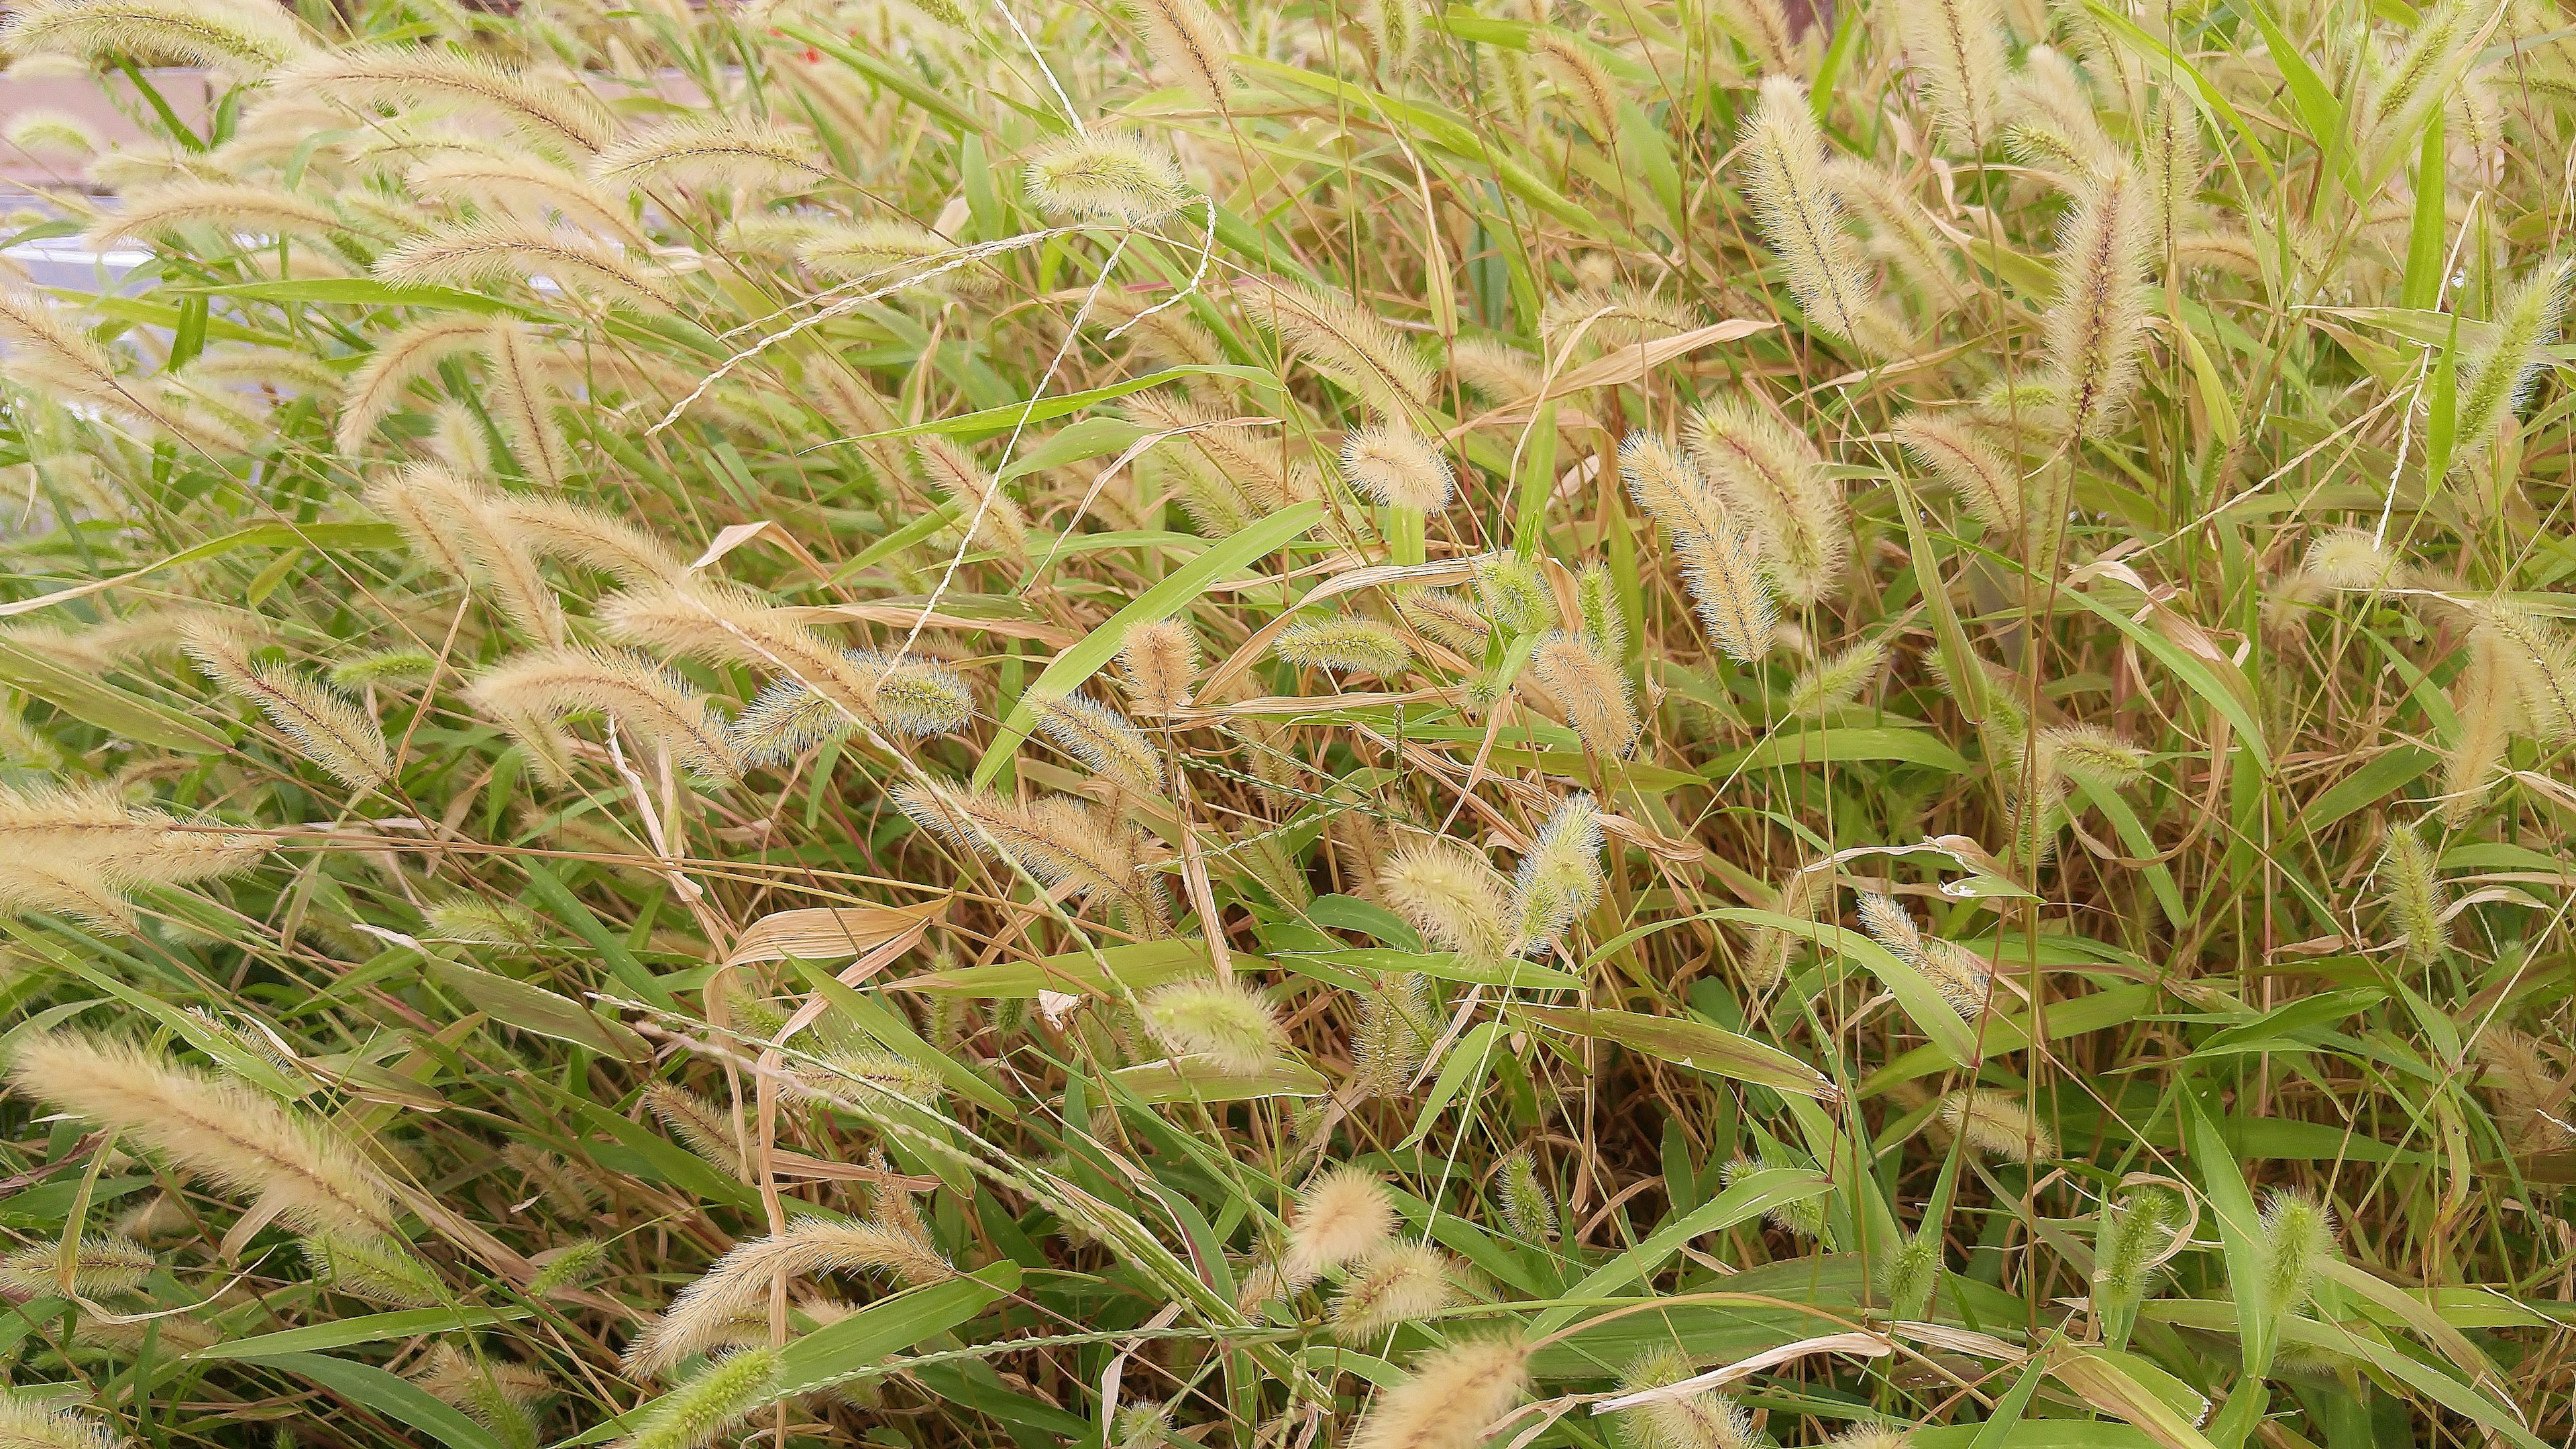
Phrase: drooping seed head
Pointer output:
(1560, 878)
(1159, 660)
(1528, 1207)
(1515, 597)
(1451, 896)
(1345, 642)
(1391, 1285)
(1342, 1215)
(1220, 1018)
(1909, 1275)
(1998, 1125)
(1452, 1394)
(2298, 1241)
(1397, 467)
(1109, 176)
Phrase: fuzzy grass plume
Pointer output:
(1196, 691)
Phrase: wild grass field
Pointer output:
(1158, 727)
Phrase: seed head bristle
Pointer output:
(1445, 618)
(1560, 878)
(1695, 1419)
(556, 529)
(225, 208)
(1345, 642)
(2090, 754)
(34, 1423)
(637, 692)
(1450, 895)
(2501, 375)
(2097, 325)
(2411, 878)
(1516, 597)
(1106, 176)
(1774, 479)
(1764, 29)
(1804, 1218)
(103, 1266)
(1911, 1274)
(566, 117)
(241, 38)
(1351, 346)
(703, 1313)
(1448, 1399)
(523, 183)
(1578, 76)
(1998, 1125)
(2489, 708)
(1981, 475)
(2133, 1230)
(1669, 486)
(324, 725)
(1393, 1284)
(1723, 571)
(51, 135)
(228, 1133)
(375, 391)
(518, 399)
(1395, 29)
(710, 151)
(1102, 739)
(1892, 926)
(2298, 1240)
(1832, 684)
(1342, 1215)
(1528, 1208)
(1056, 840)
(374, 1266)
(709, 1403)
(1590, 689)
(483, 921)
(2532, 654)
(701, 1126)
(1801, 218)
(2531, 1105)
(482, 254)
(1190, 42)
(1900, 232)
(1959, 50)
(1398, 468)
(1159, 660)
(998, 522)
(1222, 1019)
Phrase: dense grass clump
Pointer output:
(1666, 725)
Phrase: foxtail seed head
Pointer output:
(1343, 1214)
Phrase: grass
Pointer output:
(905, 725)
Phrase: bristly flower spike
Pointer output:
(1998, 1125)
(1223, 1019)
(1802, 220)
(1587, 684)
(1343, 1214)
(1159, 660)
(1450, 895)
(2098, 323)
(2411, 878)
(1448, 1399)
(1397, 467)
(1560, 878)
(1106, 176)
